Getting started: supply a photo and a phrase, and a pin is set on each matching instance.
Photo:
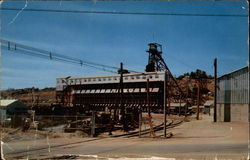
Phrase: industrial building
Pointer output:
(233, 96)
(139, 90)
(11, 107)
(106, 91)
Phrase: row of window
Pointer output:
(127, 90)
(106, 79)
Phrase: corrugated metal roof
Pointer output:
(234, 87)
(6, 102)
(243, 68)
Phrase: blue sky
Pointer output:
(189, 42)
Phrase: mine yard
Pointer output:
(138, 115)
(190, 139)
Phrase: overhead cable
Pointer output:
(126, 13)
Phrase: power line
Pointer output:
(50, 54)
(140, 0)
(125, 13)
(31, 51)
(181, 62)
(34, 54)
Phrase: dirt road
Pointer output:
(200, 139)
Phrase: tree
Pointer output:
(196, 74)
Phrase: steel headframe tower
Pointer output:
(155, 60)
(157, 63)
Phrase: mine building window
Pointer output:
(85, 80)
(156, 76)
(144, 77)
(104, 79)
(115, 78)
(132, 77)
(109, 79)
(126, 78)
(137, 77)
(89, 80)
(150, 77)
(94, 79)
(99, 79)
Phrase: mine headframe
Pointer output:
(155, 60)
(156, 63)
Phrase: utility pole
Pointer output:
(186, 107)
(180, 105)
(215, 90)
(93, 123)
(149, 112)
(164, 105)
(121, 96)
(32, 97)
(198, 100)
(140, 121)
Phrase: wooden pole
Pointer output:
(198, 101)
(93, 124)
(148, 103)
(180, 105)
(121, 94)
(164, 105)
(140, 121)
(215, 90)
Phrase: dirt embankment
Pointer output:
(28, 96)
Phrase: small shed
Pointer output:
(179, 108)
(208, 105)
(11, 107)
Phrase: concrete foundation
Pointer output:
(233, 113)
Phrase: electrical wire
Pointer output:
(32, 51)
(47, 53)
(125, 13)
